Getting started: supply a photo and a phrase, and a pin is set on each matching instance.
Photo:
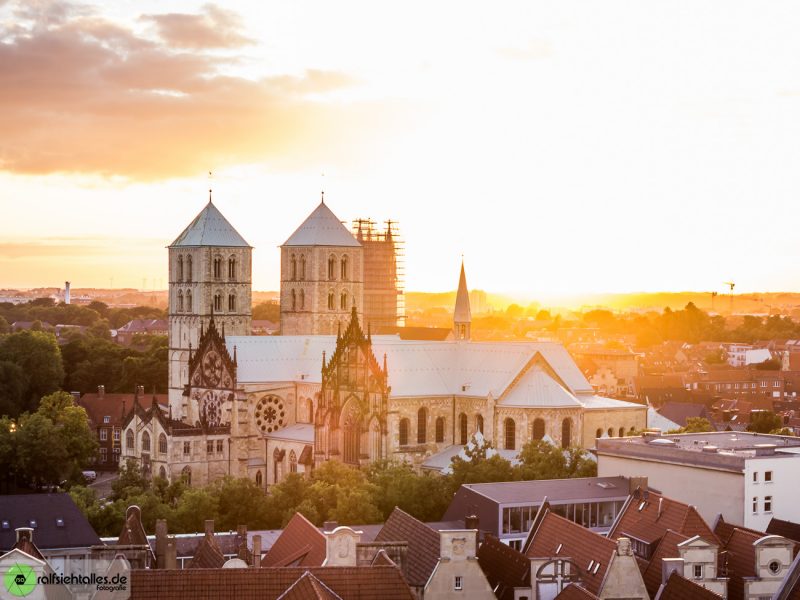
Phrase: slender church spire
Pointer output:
(462, 316)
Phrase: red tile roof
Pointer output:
(300, 544)
(739, 557)
(680, 588)
(667, 548)
(423, 544)
(504, 567)
(207, 555)
(559, 537)
(266, 583)
(575, 592)
(309, 587)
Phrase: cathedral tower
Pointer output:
(322, 268)
(462, 316)
(210, 272)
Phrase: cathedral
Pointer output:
(327, 388)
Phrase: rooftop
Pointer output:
(587, 488)
(210, 228)
(322, 228)
(56, 521)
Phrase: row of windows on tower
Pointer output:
(298, 268)
(299, 300)
(185, 302)
(185, 269)
(509, 430)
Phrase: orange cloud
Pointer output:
(216, 28)
(84, 95)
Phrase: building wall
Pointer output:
(613, 420)
(712, 492)
(782, 490)
(458, 574)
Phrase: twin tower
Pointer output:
(325, 271)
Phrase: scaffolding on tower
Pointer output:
(384, 296)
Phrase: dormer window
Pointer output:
(59, 522)
(33, 524)
(6, 525)
(107, 419)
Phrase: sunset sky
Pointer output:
(561, 147)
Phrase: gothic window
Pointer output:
(180, 301)
(259, 479)
(145, 442)
(294, 300)
(302, 268)
(302, 299)
(351, 429)
(294, 268)
(309, 411)
(189, 300)
(610, 432)
(621, 432)
(566, 433)
(231, 302)
(292, 462)
(510, 431)
(440, 430)
(422, 425)
(462, 426)
(479, 423)
(403, 432)
(180, 268)
(162, 472)
(277, 463)
(538, 429)
(344, 268)
(217, 268)
(343, 301)
(129, 440)
(162, 444)
(330, 301)
(232, 268)
(331, 267)
(218, 302)
(189, 269)
(186, 475)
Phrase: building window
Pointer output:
(440, 430)
(231, 303)
(621, 432)
(217, 268)
(330, 301)
(294, 268)
(218, 302)
(767, 504)
(187, 448)
(404, 432)
(343, 301)
(698, 571)
(302, 299)
(755, 505)
(479, 423)
(210, 447)
(220, 446)
(103, 434)
(610, 432)
(189, 269)
(116, 435)
(294, 300)
(106, 419)
(292, 462)
(768, 476)
(180, 268)
(422, 425)
(180, 301)
(103, 455)
(457, 585)
(162, 444)
(186, 474)
(259, 479)
(462, 427)
(566, 433)
(129, 440)
(755, 476)
(189, 300)
(232, 269)
(302, 268)
(598, 433)
(331, 267)
(344, 268)
(510, 431)
(774, 567)
(538, 429)
(145, 442)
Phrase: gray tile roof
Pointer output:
(72, 531)
(210, 228)
(322, 228)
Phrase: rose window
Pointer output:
(270, 414)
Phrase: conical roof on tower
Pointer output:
(210, 228)
(322, 228)
(462, 313)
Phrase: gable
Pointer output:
(538, 385)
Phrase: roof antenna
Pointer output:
(323, 187)
(210, 177)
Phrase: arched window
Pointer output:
(310, 410)
(217, 268)
(180, 301)
(292, 462)
(259, 479)
(231, 302)
(186, 475)
(479, 423)
(294, 268)
(403, 432)
(462, 426)
(598, 433)
(538, 429)
(189, 300)
(232, 268)
(302, 268)
(218, 302)
(330, 301)
(294, 300)
(621, 432)
(277, 463)
(510, 430)
(343, 301)
(344, 268)
(145, 442)
(162, 472)
(566, 433)
(189, 269)
(302, 299)
(129, 440)
(610, 432)
(331, 267)
(422, 425)
(440, 430)
(180, 268)
(162, 444)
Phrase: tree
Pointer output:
(240, 502)
(4, 326)
(38, 458)
(267, 311)
(480, 463)
(764, 421)
(39, 357)
(715, 357)
(542, 460)
(423, 496)
(12, 388)
(697, 425)
(131, 481)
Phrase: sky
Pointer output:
(560, 147)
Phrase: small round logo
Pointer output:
(20, 580)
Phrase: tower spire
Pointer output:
(462, 316)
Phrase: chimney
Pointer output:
(670, 566)
(637, 482)
(209, 525)
(660, 507)
(66, 292)
(24, 533)
(101, 390)
(241, 542)
(171, 558)
(471, 522)
(161, 543)
(624, 547)
(140, 391)
(256, 551)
